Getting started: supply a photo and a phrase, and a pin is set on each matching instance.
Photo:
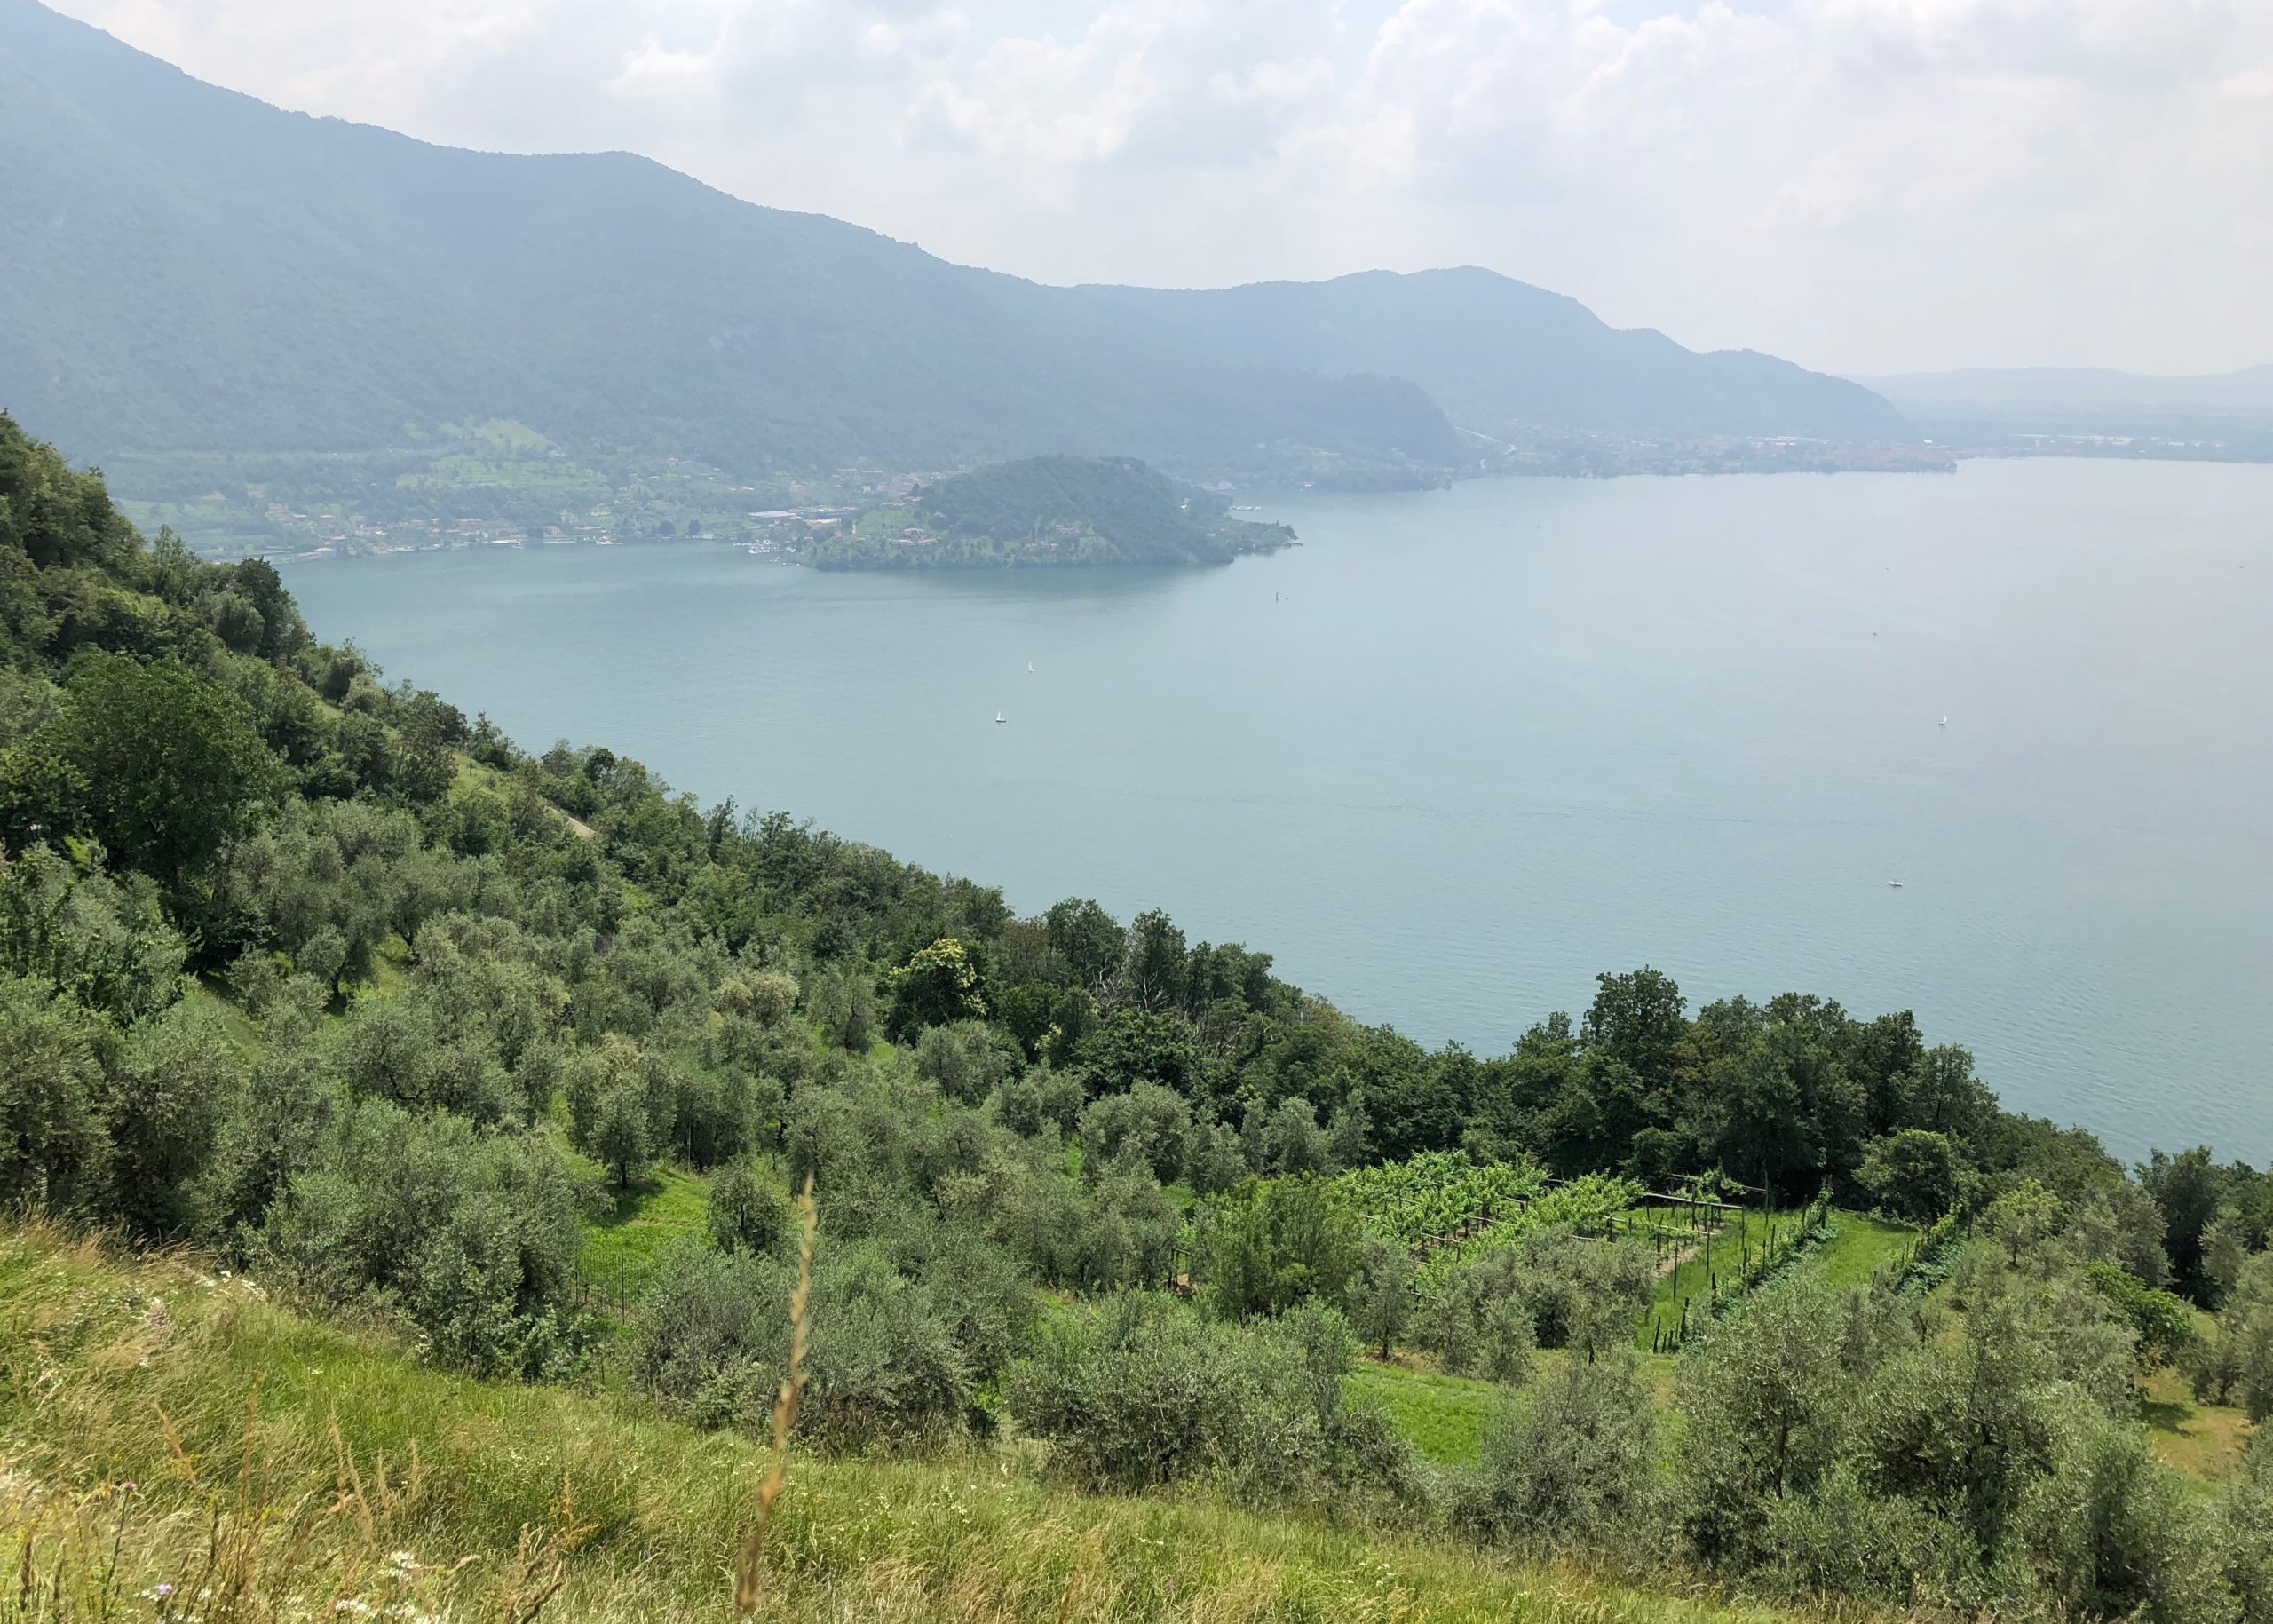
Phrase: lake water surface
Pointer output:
(1462, 749)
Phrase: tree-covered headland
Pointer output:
(512, 1064)
(1049, 510)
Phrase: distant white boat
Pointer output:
(1000, 718)
(1029, 668)
(1896, 883)
(1945, 721)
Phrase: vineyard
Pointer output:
(1435, 1195)
(1727, 1260)
(1591, 1203)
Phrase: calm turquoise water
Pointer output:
(1464, 748)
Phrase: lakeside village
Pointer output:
(501, 486)
(782, 532)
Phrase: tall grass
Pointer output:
(175, 1447)
(749, 1571)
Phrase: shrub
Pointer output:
(1146, 1393)
(747, 1214)
(962, 1059)
(1274, 1245)
(884, 1365)
(1574, 1461)
(1042, 1098)
(1148, 1123)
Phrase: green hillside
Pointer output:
(440, 1106)
(590, 1503)
(1049, 510)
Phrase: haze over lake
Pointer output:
(1463, 749)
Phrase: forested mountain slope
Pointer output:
(1495, 354)
(192, 269)
(319, 981)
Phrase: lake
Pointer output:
(1462, 749)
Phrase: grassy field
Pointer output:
(1444, 1416)
(2203, 1440)
(1857, 1248)
(174, 1445)
(622, 1245)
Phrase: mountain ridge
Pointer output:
(327, 283)
(1456, 332)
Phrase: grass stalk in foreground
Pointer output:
(749, 1571)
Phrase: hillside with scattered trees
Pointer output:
(398, 1121)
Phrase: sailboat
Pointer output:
(1029, 668)
(1945, 721)
(1000, 718)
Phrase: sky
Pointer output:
(1865, 185)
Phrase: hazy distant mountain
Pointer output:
(1495, 351)
(189, 269)
(2088, 399)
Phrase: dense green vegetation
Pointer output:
(375, 1485)
(515, 1059)
(1048, 510)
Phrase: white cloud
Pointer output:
(1873, 184)
(654, 70)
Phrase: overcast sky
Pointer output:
(1865, 186)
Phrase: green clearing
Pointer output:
(1444, 1417)
(1857, 1248)
(623, 1245)
(2206, 1441)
